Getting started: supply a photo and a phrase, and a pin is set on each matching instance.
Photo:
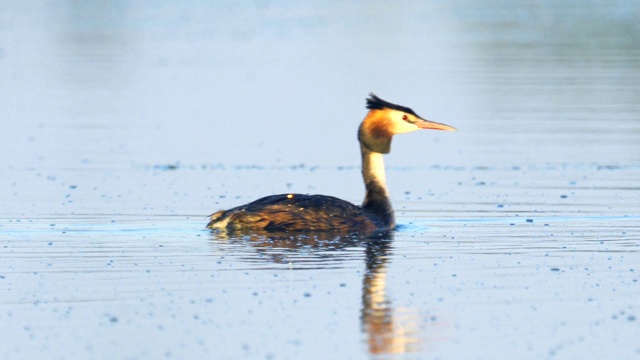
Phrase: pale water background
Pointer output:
(123, 124)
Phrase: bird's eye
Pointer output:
(405, 117)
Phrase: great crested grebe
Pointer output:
(300, 212)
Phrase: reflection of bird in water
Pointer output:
(297, 212)
(298, 250)
(388, 331)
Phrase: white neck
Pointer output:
(376, 200)
(373, 168)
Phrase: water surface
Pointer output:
(123, 125)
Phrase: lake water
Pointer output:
(123, 125)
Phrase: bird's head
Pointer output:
(386, 119)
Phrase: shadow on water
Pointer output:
(388, 329)
(322, 250)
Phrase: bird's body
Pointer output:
(294, 212)
(313, 213)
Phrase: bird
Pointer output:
(321, 213)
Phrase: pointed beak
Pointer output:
(432, 125)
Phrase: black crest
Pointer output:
(375, 103)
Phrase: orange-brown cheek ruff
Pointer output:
(375, 133)
(319, 213)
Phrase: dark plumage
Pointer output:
(295, 212)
